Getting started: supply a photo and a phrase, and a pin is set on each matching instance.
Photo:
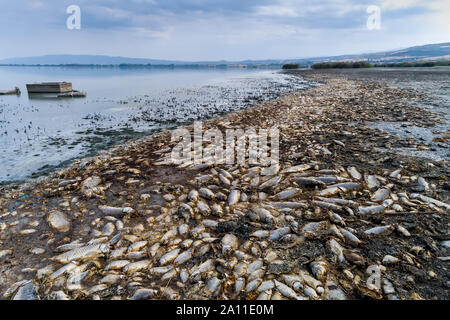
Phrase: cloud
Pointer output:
(222, 29)
(278, 11)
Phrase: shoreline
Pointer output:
(46, 146)
(314, 132)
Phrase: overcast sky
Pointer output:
(197, 30)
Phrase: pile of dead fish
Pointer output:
(304, 229)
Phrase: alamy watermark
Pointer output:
(74, 20)
(374, 280)
(374, 19)
(237, 146)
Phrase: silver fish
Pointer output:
(87, 252)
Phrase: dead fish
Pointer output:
(169, 235)
(224, 180)
(371, 209)
(287, 194)
(380, 195)
(372, 182)
(229, 243)
(59, 221)
(169, 275)
(144, 294)
(331, 179)
(88, 185)
(314, 229)
(319, 269)
(254, 266)
(158, 271)
(310, 292)
(388, 259)
(193, 195)
(216, 210)
(87, 252)
(396, 174)
(309, 280)
(337, 250)
(4, 253)
(333, 292)
(271, 182)
(210, 223)
(234, 196)
(63, 270)
(136, 266)
(59, 295)
(353, 257)
(350, 237)
(403, 231)
(346, 186)
(278, 233)
(169, 257)
(183, 257)
(423, 184)
(286, 291)
(296, 169)
(74, 282)
(354, 173)
(213, 286)
(260, 234)
(294, 281)
(183, 229)
(226, 174)
(265, 295)
(266, 285)
(111, 279)
(379, 230)
(263, 214)
(108, 229)
(327, 205)
(206, 193)
(28, 291)
(116, 265)
(329, 191)
(184, 276)
(203, 268)
(97, 288)
(290, 205)
(137, 246)
(185, 211)
(114, 211)
(429, 200)
(154, 249)
(253, 285)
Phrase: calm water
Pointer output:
(40, 133)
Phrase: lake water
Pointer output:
(41, 133)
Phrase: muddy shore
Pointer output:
(128, 224)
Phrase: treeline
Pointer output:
(415, 64)
(341, 65)
(288, 66)
(361, 64)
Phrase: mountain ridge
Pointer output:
(438, 51)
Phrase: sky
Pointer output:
(233, 30)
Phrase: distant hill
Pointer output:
(438, 51)
(82, 59)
